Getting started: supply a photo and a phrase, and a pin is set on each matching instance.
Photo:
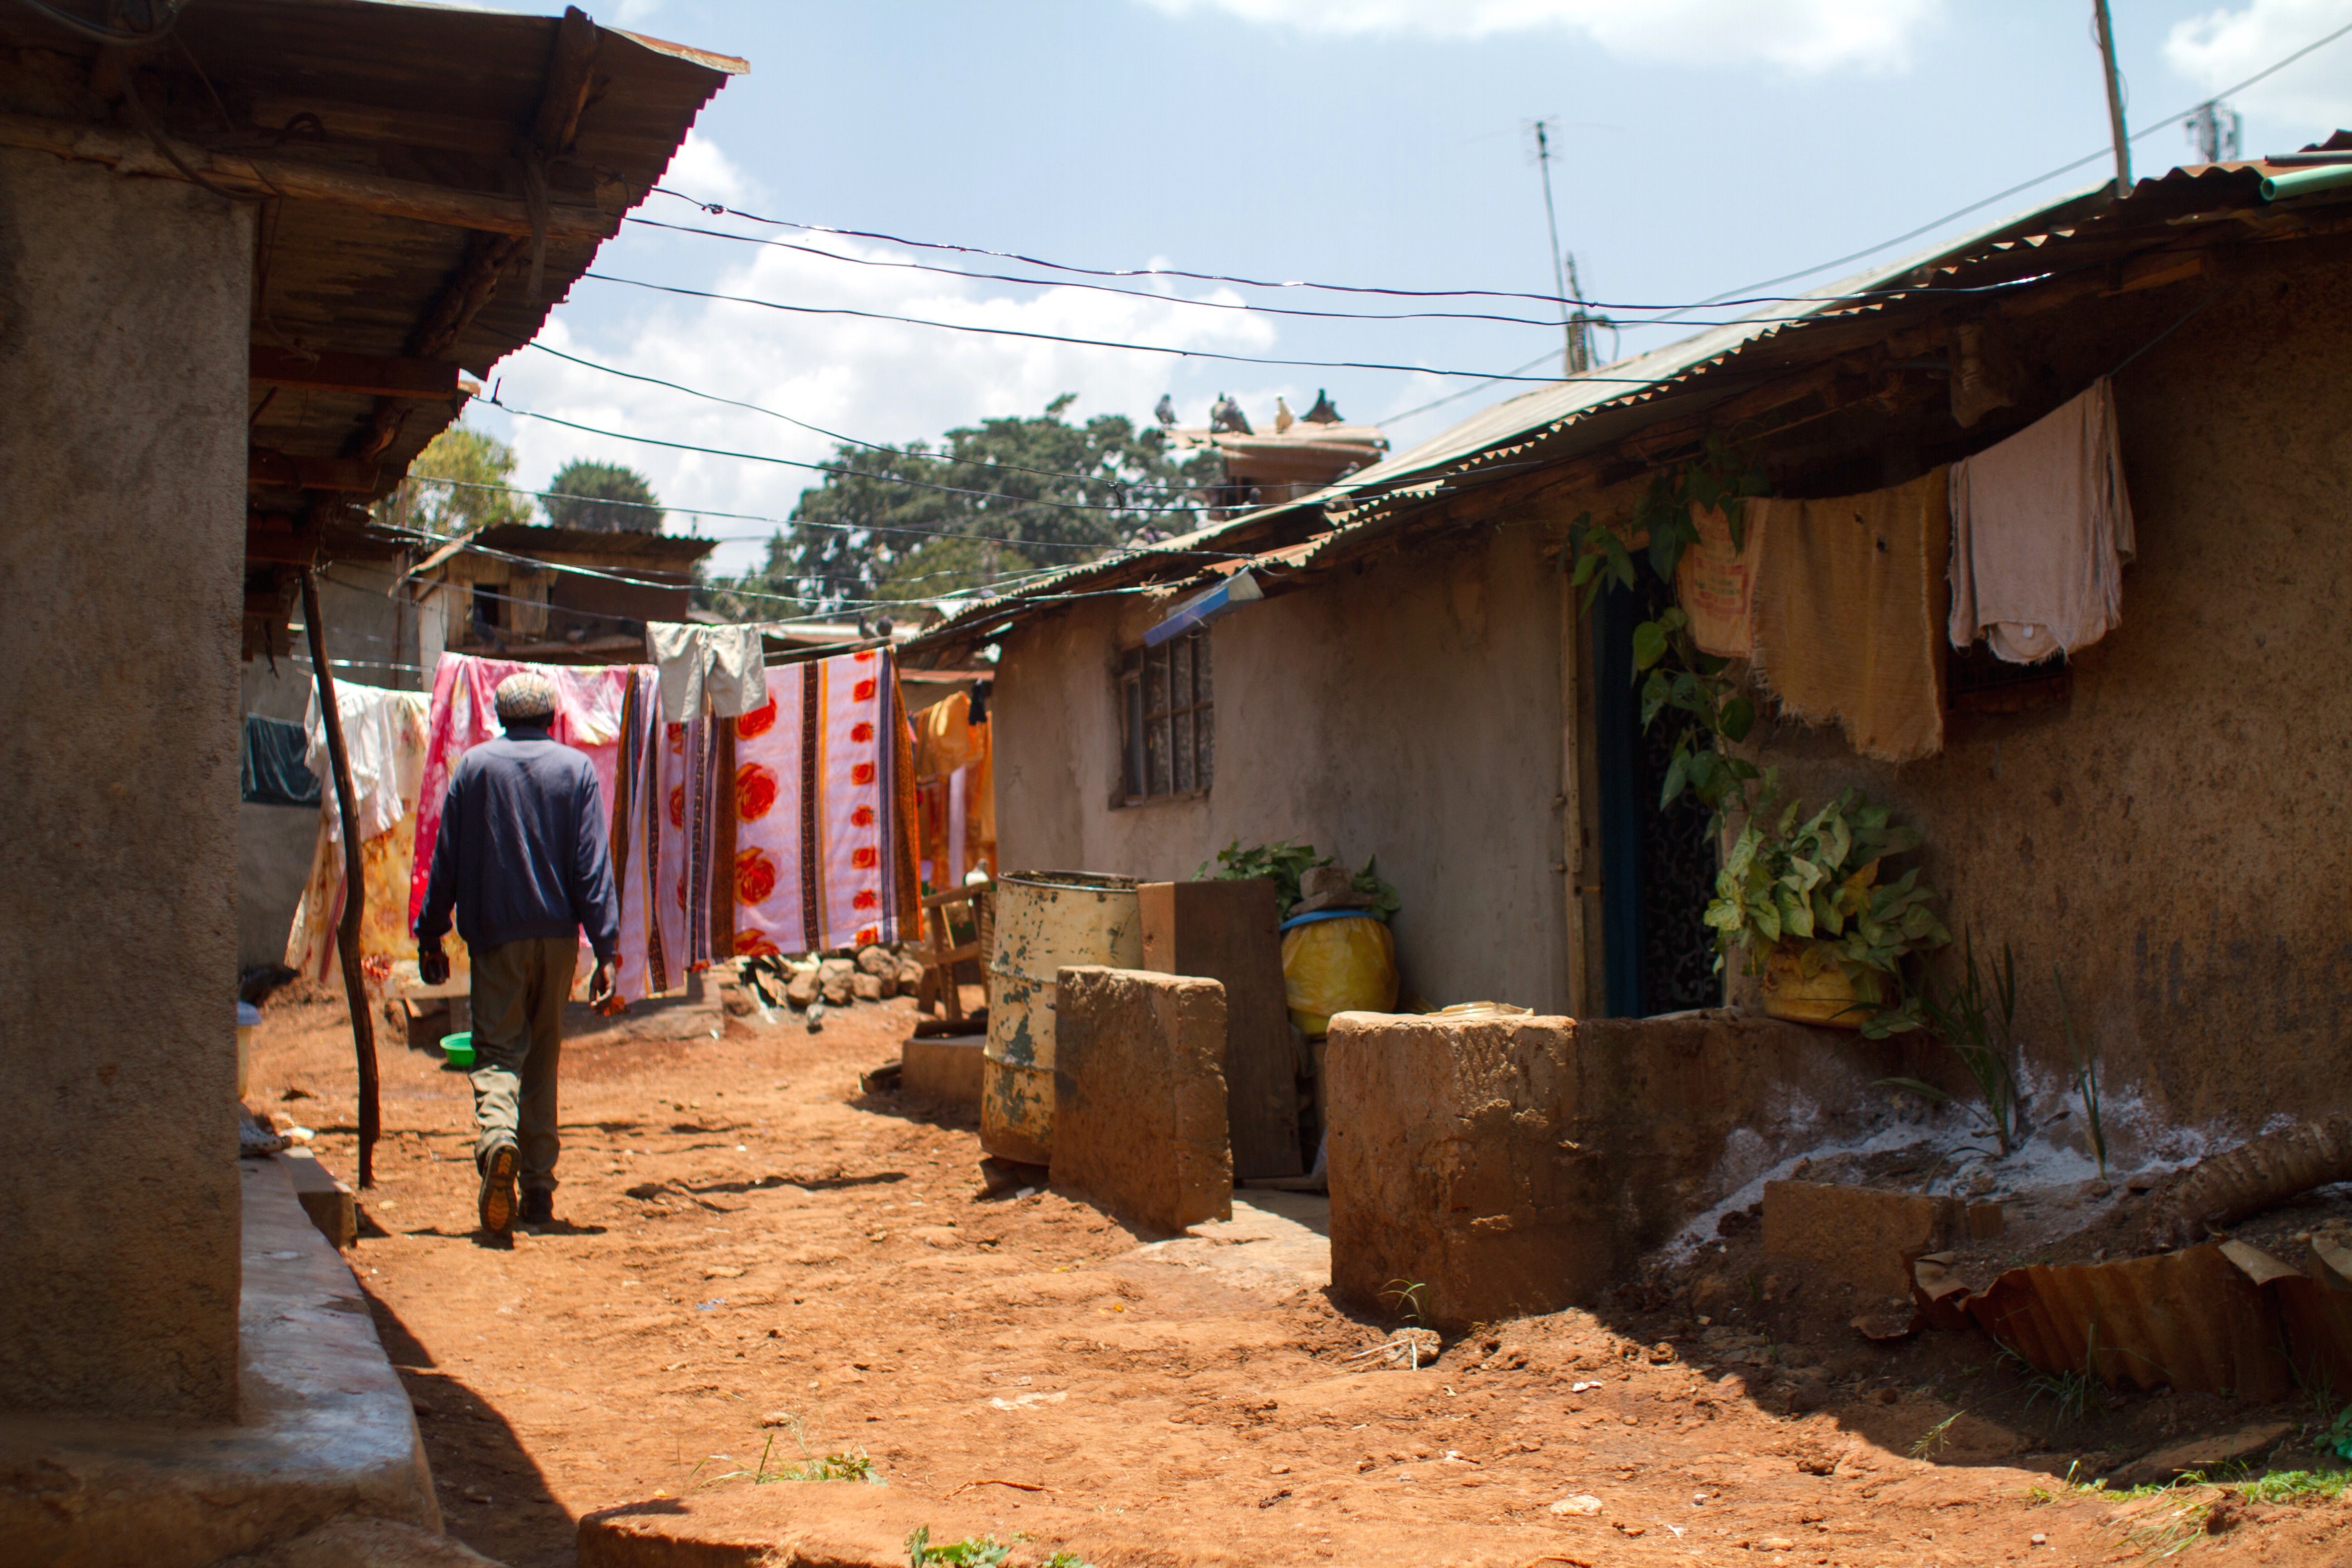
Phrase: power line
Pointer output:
(1744, 294)
(853, 441)
(839, 471)
(1057, 337)
(2067, 168)
(1102, 287)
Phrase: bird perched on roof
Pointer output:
(1166, 412)
(1322, 412)
(1226, 414)
(1282, 417)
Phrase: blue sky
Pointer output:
(1704, 144)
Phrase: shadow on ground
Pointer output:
(494, 1497)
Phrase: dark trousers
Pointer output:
(519, 991)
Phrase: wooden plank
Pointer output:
(1225, 932)
(264, 176)
(380, 375)
(267, 468)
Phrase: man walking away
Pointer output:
(523, 859)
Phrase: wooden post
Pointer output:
(347, 931)
(1571, 801)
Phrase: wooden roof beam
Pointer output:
(378, 376)
(268, 469)
(261, 177)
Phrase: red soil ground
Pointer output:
(754, 1257)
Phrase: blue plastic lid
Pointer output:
(247, 1015)
(1309, 919)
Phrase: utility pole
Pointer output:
(1568, 365)
(2106, 30)
(1581, 354)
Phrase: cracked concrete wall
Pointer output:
(2178, 837)
(124, 308)
(1408, 708)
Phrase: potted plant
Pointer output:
(1822, 927)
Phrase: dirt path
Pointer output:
(751, 1256)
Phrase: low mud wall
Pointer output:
(1519, 1165)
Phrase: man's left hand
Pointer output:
(599, 988)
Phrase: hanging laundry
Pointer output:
(2042, 526)
(1716, 583)
(273, 772)
(823, 812)
(947, 740)
(383, 746)
(1847, 606)
(589, 701)
(383, 743)
(724, 664)
(645, 964)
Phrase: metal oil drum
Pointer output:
(1045, 922)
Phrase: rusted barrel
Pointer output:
(1045, 921)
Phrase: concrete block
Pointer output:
(1519, 1165)
(946, 1070)
(1226, 931)
(327, 1201)
(1866, 1237)
(1139, 1094)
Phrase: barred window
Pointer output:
(1169, 741)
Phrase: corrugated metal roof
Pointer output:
(437, 98)
(1551, 423)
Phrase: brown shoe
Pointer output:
(499, 1190)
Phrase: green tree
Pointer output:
(578, 496)
(1004, 495)
(457, 483)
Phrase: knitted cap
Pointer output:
(525, 696)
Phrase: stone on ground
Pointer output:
(877, 960)
(866, 987)
(1139, 1094)
(802, 988)
(1866, 1237)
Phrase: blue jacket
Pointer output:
(522, 850)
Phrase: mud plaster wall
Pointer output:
(2178, 837)
(124, 325)
(1410, 710)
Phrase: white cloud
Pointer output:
(2313, 96)
(702, 169)
(1805, 36)
(878, 381)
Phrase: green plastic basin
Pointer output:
(458, 1049)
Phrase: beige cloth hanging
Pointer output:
(1849, 610)
(725, 664)
(2042, 526)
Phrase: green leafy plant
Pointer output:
(1679, 678)
(1978, 1026)
(1702, 691)
(972, 1551)
(2086, 1079)
(1809, 889)
(1282, 864)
